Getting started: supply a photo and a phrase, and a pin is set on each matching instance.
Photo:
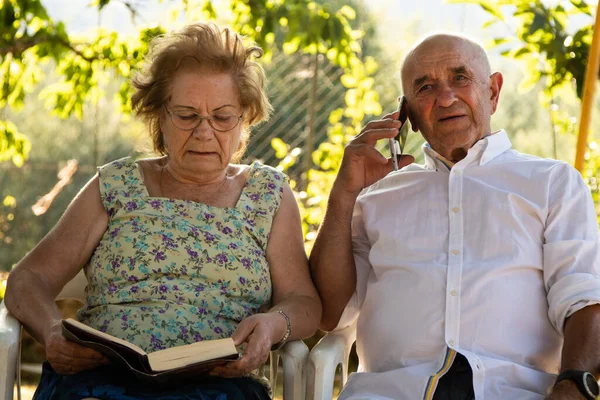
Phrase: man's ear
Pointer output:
(496, 81)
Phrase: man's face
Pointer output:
(450, 93)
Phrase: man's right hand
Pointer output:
(68, 357)
(363, 164)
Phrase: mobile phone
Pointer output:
(398, 142)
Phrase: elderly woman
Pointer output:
(185, 247)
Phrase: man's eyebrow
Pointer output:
(460, 70)
(455, 70)
(420, 80)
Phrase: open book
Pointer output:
(188, 359)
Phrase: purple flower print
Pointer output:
(155, 204)
(112, 287)
(233, 246)
(131, 205)
(271, 185)
(192, 253)
(110, 198)
(183, 270)
(227, 230)
(134, 289)
(254, 196)
(114, 232)
(124, 317)
(160, 256)
(208, 237)
(199, 288)
(168, 242)
(208, 216)
(246, 262)
(175, 287)
(184, 331)
(163, 288)
(242, 280)
(197, 337)
(222, 258)
(218, 330)
(157, 343)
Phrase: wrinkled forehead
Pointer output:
(440, 55)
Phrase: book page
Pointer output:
(94, 332)
(181, 356)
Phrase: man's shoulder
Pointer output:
(531, 163)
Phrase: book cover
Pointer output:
(160, 366)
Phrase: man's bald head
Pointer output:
(474, 49)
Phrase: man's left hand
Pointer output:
(565, 390)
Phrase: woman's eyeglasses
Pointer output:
(189, 120)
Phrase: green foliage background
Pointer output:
(57, 89)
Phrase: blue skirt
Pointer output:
(107, 383)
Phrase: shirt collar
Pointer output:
(482, 152)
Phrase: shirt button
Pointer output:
(453, 293)
(455, 252)
(455, 210)
(451, 342)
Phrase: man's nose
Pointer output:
(446, 96)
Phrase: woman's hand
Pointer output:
(68, 357)
(260, 332)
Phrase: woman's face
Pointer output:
(203, 150)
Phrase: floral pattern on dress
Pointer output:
(172, 272)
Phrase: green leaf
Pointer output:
(348, 12)
(281, 149)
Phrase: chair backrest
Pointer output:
(74, 289)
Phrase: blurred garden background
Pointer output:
(332, 65)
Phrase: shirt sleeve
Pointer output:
(360, 248)
(571, 248)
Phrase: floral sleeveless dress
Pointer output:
(172, 272)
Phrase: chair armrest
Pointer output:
(294, 356)
(332, 350)
(10, 345)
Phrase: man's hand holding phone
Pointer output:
(363, 164)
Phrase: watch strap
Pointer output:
(580, 379)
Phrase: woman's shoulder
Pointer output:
(260, 170)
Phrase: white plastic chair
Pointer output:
(294, 355)
(332, 350)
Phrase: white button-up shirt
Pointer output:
(487, 259)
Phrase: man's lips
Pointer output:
(451, 117)
(202, 153)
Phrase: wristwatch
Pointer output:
(586, 382)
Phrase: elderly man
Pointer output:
(474, 276)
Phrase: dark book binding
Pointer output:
(131, 360)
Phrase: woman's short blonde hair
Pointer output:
(215, 49)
